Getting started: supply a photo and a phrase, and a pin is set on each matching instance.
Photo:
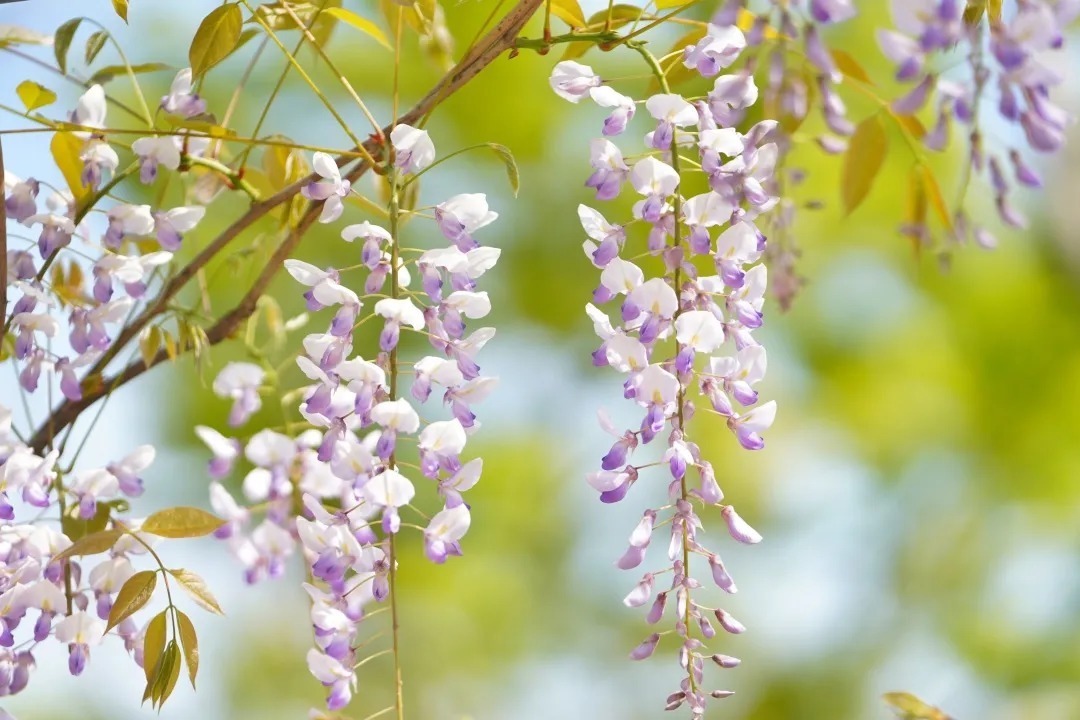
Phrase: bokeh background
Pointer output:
(919, 495)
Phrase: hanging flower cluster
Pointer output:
(1016, 78)
(90, 291)
(340, 488)
(687, 332)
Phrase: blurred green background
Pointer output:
(919, 495)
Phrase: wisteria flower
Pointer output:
(172, 224)
(329, 190)
(461, 216)
(240, 381)
(413, 148)
(623, 111)
(153, 152)
(572, 81)
(180, 100)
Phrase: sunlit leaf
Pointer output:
(34, 96)
(909, 707)
(111, 72)
(863, 161)
(15, 35)
(121, 8)
(569, 11)
(154, 643)
(94, 44)
(66, 149)
(134, 594)
(216, 38)
(62, 41)
(149, 344)
(934, 195)
(165, 675)
(196, 586)
(912, 125)
(190, 641)
(92, 544)
(362, 24)
(850, 67)
(512, 173)
(181, 522)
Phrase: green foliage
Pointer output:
(216, 38)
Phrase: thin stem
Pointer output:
(307, 78)
(395, 621)
(340, 75)
(70, 78)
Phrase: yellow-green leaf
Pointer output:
(165, 676)
(91, 544)
(569, 11)
(149, 344)
(154, 643)
(66, 149)
(934, 195)
(190, 641)
(512, 173)
(864, 158)
(181, 522)
(121, 8)
(62, 41)
(912, 708)
(15, 35)
(196, 586)
(850, 67)
(216, 38)
(135, 593)
(110, 72)
(362, 24)
(664, 4)
(94, 44)
(34, 96)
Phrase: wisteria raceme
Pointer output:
(667, 329)
(1006, 68)
(338, 490)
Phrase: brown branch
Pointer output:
(95, 386)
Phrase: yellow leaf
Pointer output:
(121, 8)
(181, 522)
(34, 96)
(91, 544)
(149, 344)
(135, 593)
(912, 125)
(190, 641)
(913, 708)
(569, 11)
(66, 149)
(934, 195)
(216, 38)
(153, 643)
(362, 24)
(850, 67)
(863, 161)
(198, 589)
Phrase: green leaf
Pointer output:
(190, 641)
(664, 4)
(216, 38)
(15, 35)
(135, 593)
(94, 44)
(154, 643)
(110, 72)
(196, 586)
(181, 522)
(62, 41)
(362, 24)
(863, 161)
(91, 544)
(66, 149)
(512, 173)
(121, 8)
(569, 11)
(34, 96)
